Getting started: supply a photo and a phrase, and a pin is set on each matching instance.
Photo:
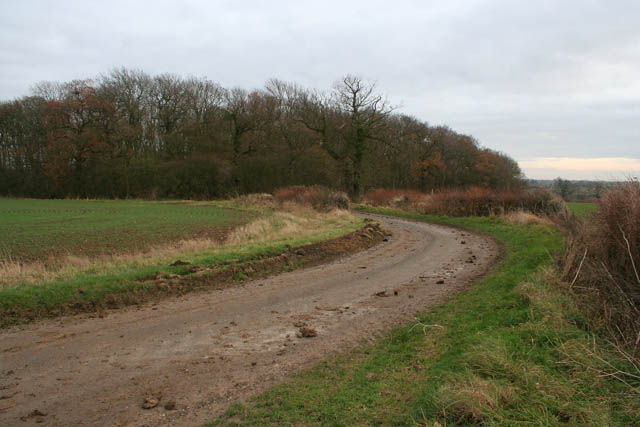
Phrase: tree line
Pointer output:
(130, 134)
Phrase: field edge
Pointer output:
(26, 304)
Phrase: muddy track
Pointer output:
(199, 353)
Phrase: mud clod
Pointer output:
(307, 332)
(440, 282)
(326, 308)
(178, 263)
(150, 403)
(34, 413)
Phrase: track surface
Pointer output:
(208, 350)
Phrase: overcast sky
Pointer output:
(548, 82)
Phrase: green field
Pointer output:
(41, 229)
(582, 209)
(513, 350)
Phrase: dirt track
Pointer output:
(205, 351)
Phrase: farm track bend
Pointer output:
(205, 351)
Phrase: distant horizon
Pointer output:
(581, 168)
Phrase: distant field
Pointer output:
(39, 229)
(582, 209)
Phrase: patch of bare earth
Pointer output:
(185, 360)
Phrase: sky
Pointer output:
(554, 84)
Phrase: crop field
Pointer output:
(582, 209)
(43, 229)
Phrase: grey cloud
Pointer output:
(543, 78)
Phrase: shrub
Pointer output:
(392, 197)
(317, 196)
(339, 200)
(603, 260)
(264, 200)
(475, 201)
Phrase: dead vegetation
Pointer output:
(602, 265)
(292, 220)
(316, 196)
(526, 218)
(475, 201)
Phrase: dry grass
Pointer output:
(474, 400)
(394, 197)
(602, 265)
(316, 196)
(521, 217)
(291, 221)
(257, 200)
(13, 273)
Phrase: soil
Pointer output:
(185, 359)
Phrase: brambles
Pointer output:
(603, 260)
(318, 197)
(475, 201)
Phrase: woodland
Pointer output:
(129, 134)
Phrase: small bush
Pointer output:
(264, 200)
(603, 260)
(339, 200)
(318, 197)
(393, 197)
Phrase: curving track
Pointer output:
(205, 351)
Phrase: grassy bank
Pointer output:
(511, 350)
(110, 282)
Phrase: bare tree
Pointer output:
(366, 111)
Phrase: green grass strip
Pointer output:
(505, 352)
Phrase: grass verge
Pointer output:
(509, 351)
